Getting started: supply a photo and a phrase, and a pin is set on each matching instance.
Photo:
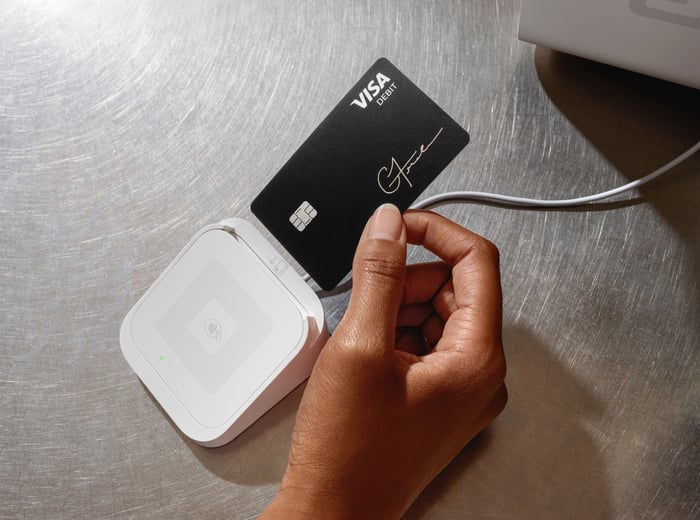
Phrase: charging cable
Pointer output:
(521, 202)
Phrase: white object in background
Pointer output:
(660, 38)
(224, 333)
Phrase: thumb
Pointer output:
(378, 272)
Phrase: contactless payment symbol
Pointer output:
(213, 326)
(303, 215)
(213, 329)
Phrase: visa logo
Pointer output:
(373, 90)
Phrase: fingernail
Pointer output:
(387, 223)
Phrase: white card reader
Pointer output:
(224, 333)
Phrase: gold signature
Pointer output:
(390, 177)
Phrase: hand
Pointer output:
(412, 373)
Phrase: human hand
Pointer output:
(412, 373)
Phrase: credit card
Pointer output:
(384, 142)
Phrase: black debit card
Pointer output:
(384, 142)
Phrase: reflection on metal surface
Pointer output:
(126, 126)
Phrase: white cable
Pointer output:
(579, 201)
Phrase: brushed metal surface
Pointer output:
(126, 126)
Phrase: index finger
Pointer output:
(475, 268)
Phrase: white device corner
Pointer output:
(225, 332)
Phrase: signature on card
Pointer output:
(390, 177)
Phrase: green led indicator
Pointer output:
(162, 358)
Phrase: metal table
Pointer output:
(126, 126)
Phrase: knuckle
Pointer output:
(482, 372)
(501, 399)
(487, 250)
(487, 367)
(496, 368)
(491, 364)
(353, 347)
(382, 266)
(479, 249)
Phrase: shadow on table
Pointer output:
(634, 120)
(638, 123)
(537, 460)
(258, 455)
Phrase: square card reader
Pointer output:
(224, 333)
